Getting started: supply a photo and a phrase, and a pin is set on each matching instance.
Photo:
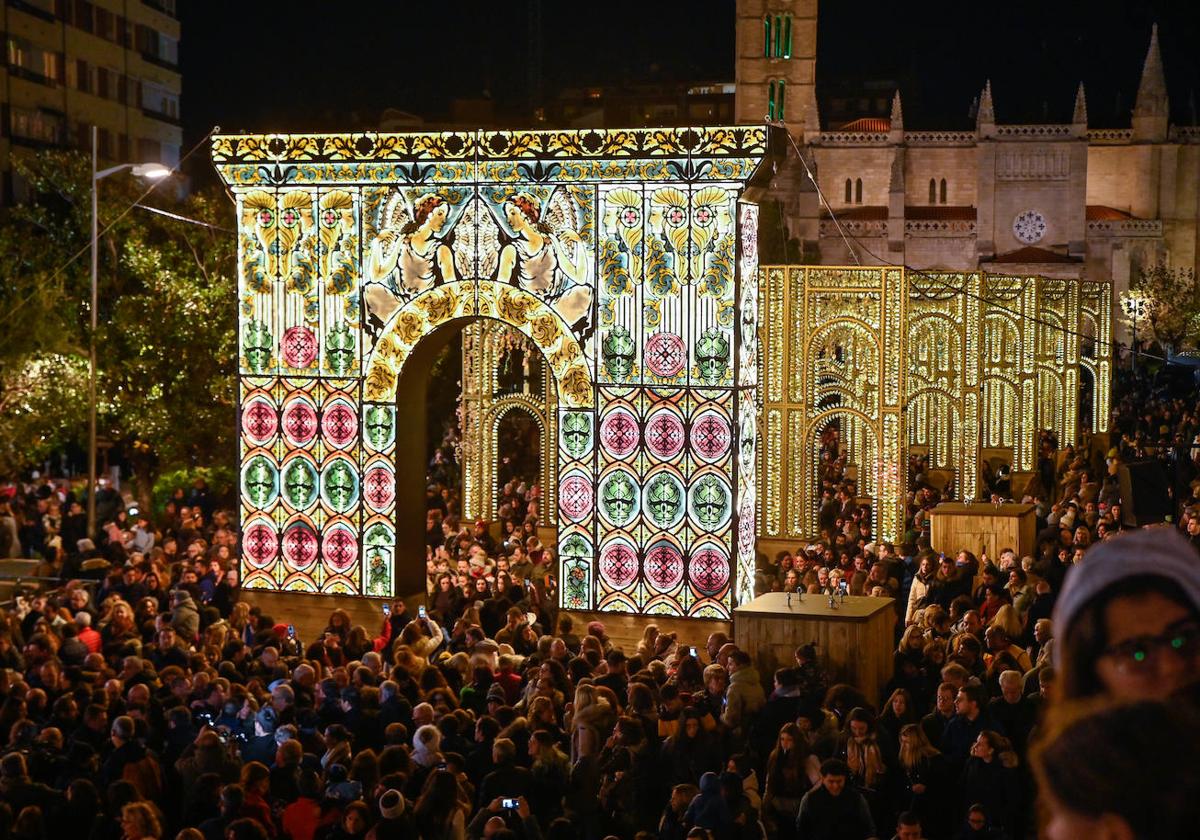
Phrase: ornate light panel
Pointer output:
(618, 254)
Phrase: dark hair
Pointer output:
(835, 767)
(1085, 639)
(908, 818)
(1134, 760)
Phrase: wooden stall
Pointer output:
(854, 639)
(955, 526)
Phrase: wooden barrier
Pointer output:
(855, 640)
(956, 526)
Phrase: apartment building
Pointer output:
(71, 64)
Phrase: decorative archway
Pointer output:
(627, 257)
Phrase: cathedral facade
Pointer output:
(1058, 200)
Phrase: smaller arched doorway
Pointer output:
(508, 402)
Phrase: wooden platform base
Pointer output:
(310, 614)
(626, 630)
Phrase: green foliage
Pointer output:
(167, 317)
(43, 403)
(1173, 311)
(221, 479)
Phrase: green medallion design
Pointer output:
(260, 481)
(300, 483)
(619, 498)
(576, 433)
(257, 345)
(664, 498)
(618, 352)
(710, 502)
(712, 356)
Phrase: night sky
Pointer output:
(302, 65)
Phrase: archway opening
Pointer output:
(518, 450)
(475, 398)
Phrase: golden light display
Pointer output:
(966, 368)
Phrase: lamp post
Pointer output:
(153, 171)
(1135, 306)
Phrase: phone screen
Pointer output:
(291, 631)
(387, 610)
(508, 803)
(694, 652)
(421, 612)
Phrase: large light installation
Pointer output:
(967, 366)
(626, 256)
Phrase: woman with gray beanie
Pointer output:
(1127, 624)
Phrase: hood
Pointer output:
(710, 784)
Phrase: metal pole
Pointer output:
(91, 497)
(1133, 356)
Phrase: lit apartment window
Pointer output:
(38, 126)
(33, 62)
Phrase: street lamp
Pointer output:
(1135, 306)
(153, 172)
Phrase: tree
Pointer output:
(1173, 304)
(168, 317)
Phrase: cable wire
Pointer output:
(99, 234)
(946, 284)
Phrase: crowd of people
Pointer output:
(142, 697)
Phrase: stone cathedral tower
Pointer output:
(776, 63)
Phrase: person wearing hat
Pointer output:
(395, 818)
(1127, 623)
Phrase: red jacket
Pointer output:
(92, 639)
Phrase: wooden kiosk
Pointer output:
(955, 526)
(855, 639)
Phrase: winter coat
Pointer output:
(744, 697)
(185, 617)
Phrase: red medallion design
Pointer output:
(711, 435)
(261, 545)
(339, 424)
(299, 347)
(340, 548)
(379, 488)
(665, 354)
(259, 421)
(709, 570)
(664, 566)
(299, 422)
(619, 433)
(575, 497)
(618, 564)
(300, 546)
(664, 434)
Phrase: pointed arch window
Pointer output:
(932, 191)
(766, 36)
(858, 190)
(778, 36)
(787, 36)
(942, 191)
(849, 191)
(771, 100)
(781, 99)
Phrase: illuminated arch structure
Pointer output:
(628, 258)
(965, 366)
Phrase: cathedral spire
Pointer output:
(1080, 115)
(897, 112)
(986, 115)
(1151, 108)
(896, 127)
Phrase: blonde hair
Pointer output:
(1008, 620)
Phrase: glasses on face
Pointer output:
(1141, 652)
